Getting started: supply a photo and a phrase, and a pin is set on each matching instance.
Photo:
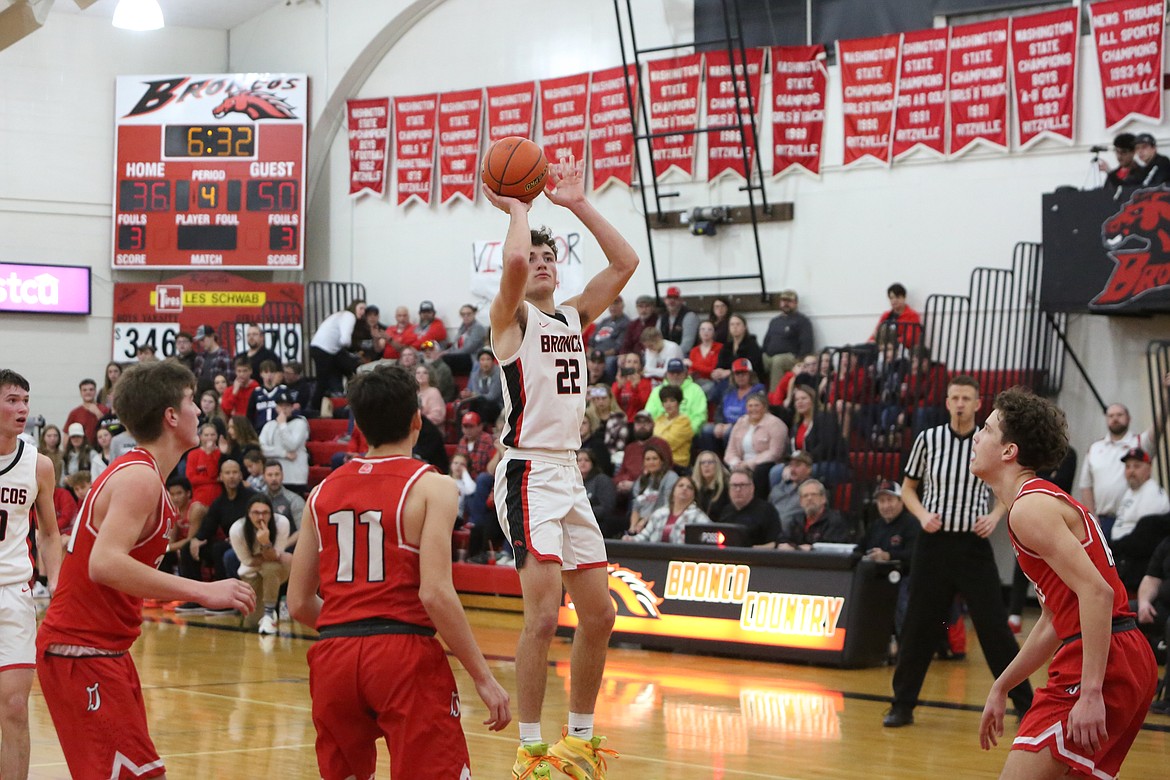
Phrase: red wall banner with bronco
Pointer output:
(673, 93)
(869, 82)
(799, 83)
(611, 133)
(153, 313)
(920, 119)
(724, 149)
(564, 116)
(414, 147)
(1044, 60)
(1129, 37)
(368, 126)
(209, 171)
(978, 76)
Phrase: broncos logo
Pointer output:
(631, 595)
(1138, 239)
(256, 105)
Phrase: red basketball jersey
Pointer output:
(367, 568)
(85, 613)
(1053, 593)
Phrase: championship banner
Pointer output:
(674, 105)
(368, 122)
(978, 78)
(153, 313)
(869, 83)
(1044, 64)
(459, 123)
(414, 147)
(487, 262)
(724, 148)
(510, 110)
(1128, 35)
(920, 120)
(611, 133)
(799, 79)
(563, 114)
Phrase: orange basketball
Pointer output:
(515, 168)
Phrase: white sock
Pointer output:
(530, 734)
(581, 725)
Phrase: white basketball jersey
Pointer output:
(18, 495)
(544, 383)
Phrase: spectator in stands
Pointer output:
(821, 523)
(647, 317)
(257, 352)
(803, 372)
(330, 350)
(210, 412)
(758, 440)
(283, 439)
(239, 392)
(89, 413)
(785, 494)
(653, 486)
(593, 439)
(181, 533)
(105, 396)
(892, 538)
(641, 437)
(484, 393)
(741, 345)
(299, 388)
(601, 491)
(1155, 167)
(1129, 172)
(631, 389)
(479, 449)
(430, 400)
(720, 311)
(668, 524)
(469, 340)
(212, 360)
(704, 359)
(259, 539)
(1143, 496)
(464, 483)
(907, 321)
(743, 508)
(678, 324)
(850, 390)
(49, 444)
(743, 384)
(202, 472)
(67, 500)
(610, 335)
(241, 437)
(596, 369)
(789, 336)
(220, 384)
(1153, 605)
(185, 349)
(613, 419)
(100, 458)
(429, 327)
(145, 353)
(925, 391)
(815, 432)
(409, 359)
(261, 406)
(77, 455)
(254, 470)
(444, 380)
(356, 447)
(431, 446)
(657, 352)
(694, 400)
(401, 335)
(674, 427)
(211, 538)
(889, 376)
(369, 337)
(710, 476)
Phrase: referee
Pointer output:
(952, 555)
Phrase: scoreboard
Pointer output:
(209, 171)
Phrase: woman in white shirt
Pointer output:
(259, 539)
(330, 350)
(668, 523)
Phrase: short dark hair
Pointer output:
(896, 289)
(242, 360)
(10, 377)
(269, 365)
(184, 335)
(963, 380)
(1035, 425)
(273, 462)
(544, 237)
(384, 402)
(85, 382)
(670, 392)
(177, 481)
(296, 366)
(254, 455)
(146, 391)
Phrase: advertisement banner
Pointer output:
(725, 147)
(459, 123)
(978, 77)
(674, 106)
(368, 123)
(44, 289)
(920, 120)
(487, 261)
(799, 79)
(869, 85)
(1129, 37)
(564, 104)
(611, 133)
(510, 110)
(1044, 63)
(414, 147)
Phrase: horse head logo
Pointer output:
(255, 104)
(1138, 239)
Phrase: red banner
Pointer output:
(563, 116)
(1044, 63)
(674, 105)
(799, 77)
(510, 110)
(979, 85)
(1129, 35)
(920, 120)
(724, 148)
(869, 74)
(459, 123)
(414, 147)
(611, 133)
(368, 122)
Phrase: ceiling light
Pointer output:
(138, 15)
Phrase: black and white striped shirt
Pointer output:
(941, 462)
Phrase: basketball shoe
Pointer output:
(581, 759)
(534, 763)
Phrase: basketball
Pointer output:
(515, 168)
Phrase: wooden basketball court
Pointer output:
(227, 704)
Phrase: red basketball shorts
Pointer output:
(97, 709)
(398, 686)
(1128, 688)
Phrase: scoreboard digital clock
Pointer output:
(209, 171)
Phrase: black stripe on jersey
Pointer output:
(559, 315)
(514, 376)
(15, 460)
(941, 462)
(516, 475)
